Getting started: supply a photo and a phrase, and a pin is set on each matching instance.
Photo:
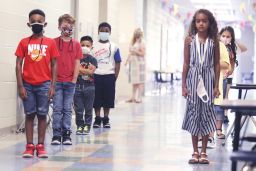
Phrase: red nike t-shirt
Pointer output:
(69, 52)
(37, 54)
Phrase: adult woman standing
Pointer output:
(136, 61)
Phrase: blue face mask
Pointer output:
(104, 36)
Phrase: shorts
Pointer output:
(219, 113)
(104, 91)
(229, 80)
(37, 100)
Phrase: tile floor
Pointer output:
(143, 137)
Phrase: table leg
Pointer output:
(240, 94)
(237, 131)
(236, 138)
(233, 166)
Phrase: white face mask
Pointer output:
(225, 40)
(86, 50)
(104, 36)
(201, 91)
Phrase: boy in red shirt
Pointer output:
(68, 70)
(37, 79)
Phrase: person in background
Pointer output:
(224, 66)
(108, 58)
(85, 89)
(136, 61)
(227, 36)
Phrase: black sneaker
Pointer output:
(80, 130)
(86, 130)
(66, 140)
(97, 122)
(226, 120)
(106, 123)
(56, 140)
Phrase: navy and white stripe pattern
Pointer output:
(200, 117)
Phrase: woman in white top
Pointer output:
(136, 61)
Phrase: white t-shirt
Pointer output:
(106, 54)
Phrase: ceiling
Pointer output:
(226, 11)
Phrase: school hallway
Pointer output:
(143, 137)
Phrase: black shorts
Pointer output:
(104, 91)
(229, 80)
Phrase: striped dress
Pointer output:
(200, 117)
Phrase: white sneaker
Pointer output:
(211, 142)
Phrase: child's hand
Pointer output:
(229, 72)
(22, 93)
(216, 92)
(185, 92)
(51, 92)
(91, 67)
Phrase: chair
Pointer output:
(159, 79)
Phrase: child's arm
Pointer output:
(185, 66)
(224, 65)
(89, 71)
(76, 70)
(216, 68)
(241, 46)
(232, 67)
(117, 69)
(21, 89)
(117, 58)
(54, 77)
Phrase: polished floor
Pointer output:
(143, 137)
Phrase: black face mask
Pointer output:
(37, 28)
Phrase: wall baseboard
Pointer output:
(9, 130)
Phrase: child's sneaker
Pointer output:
(80, 131)
(97, 122)
(226, 120)
(40, 151)
(106, 123)
(56, 140)
(29, 152)
(86, 130)
(66, 140)
(211, 142)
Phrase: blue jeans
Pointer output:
(225, 84)
(83, 103)
(219, 113)
(62, 108)
(37, 100)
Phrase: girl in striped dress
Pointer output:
(200, 80)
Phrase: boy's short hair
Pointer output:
(104, 24)
(36, 11)
(68, 18)
(86, 38)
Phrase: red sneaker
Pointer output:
(40, 152)
(29, 152)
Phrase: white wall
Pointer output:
(14, 16)
(121, 16)
(165, 30)
(87, 19)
